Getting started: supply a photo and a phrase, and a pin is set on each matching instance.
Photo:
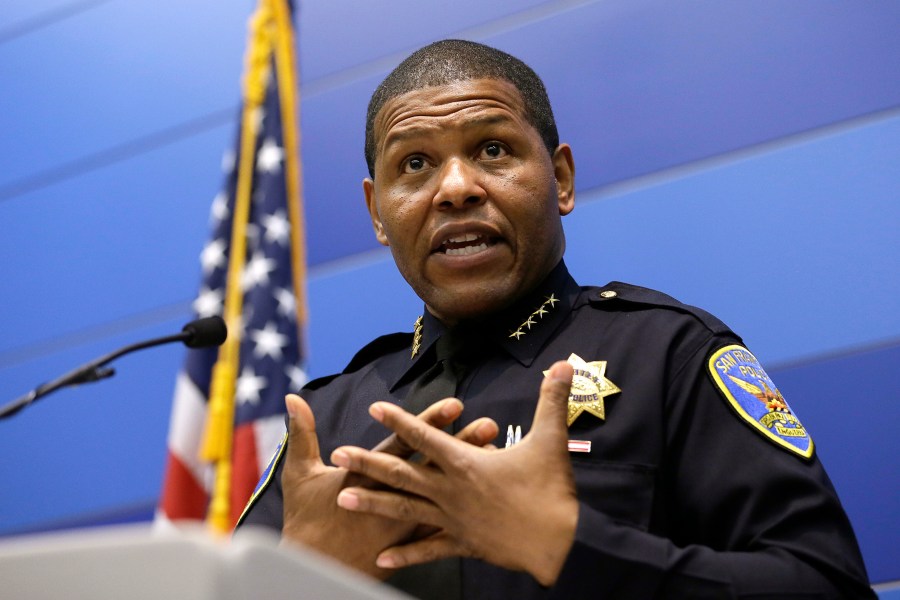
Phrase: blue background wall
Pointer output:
(742, 157)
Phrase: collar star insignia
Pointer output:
(589, 387)
(539, 314)
(417, 336)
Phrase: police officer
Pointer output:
(656, 458)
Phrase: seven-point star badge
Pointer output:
(589, 387)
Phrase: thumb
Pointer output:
(303, 443)
(552, 407)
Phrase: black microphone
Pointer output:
(202, 333)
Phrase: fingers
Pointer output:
(303, 443)
(552, 404)
(422, 551)
(400, 507)
(391, 471)
(480, 432)
(431, 442)
(439, 415)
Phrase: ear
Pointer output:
(564, 171)
(369, 192)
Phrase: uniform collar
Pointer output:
(521, 330)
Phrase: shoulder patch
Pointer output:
(266, 477)
(756, 400)
(616, 291)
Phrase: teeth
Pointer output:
(466, 250)
(469, 237)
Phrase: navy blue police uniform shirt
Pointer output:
(698, 482)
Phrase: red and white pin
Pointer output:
(579, 445)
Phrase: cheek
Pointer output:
(402, 223)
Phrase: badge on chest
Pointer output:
(589, 387)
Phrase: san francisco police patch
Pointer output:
(754, 397)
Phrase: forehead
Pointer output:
(459, 104)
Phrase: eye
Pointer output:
(414, 164)
(493, 150)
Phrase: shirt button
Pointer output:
(608, 294)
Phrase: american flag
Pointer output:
(272, 290)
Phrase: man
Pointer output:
(659, 461)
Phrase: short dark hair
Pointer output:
(449, 61)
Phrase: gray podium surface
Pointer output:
(136, 563)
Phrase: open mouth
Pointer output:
(465, 244)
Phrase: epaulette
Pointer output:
(613, 294)
(374, 349)
(392, 342)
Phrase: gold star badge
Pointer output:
(589, 387)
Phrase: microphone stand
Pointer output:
(92, 371)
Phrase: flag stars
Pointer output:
(249, 386)
(213, 255)
(287, 303)
(277, 227)
(209, 302)
(219, 211)
(269, 342)
(297, 376)
(258, 269)
(269, 157)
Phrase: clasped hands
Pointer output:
(376, 511)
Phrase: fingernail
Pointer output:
(386, 561)
(348, 500)
(555, 374)
(450, 408)
(289, 404)
(376, 411)
(340, 458)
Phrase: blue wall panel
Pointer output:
(113, 73)
(100, 247)
(795, 248)
(91, 449)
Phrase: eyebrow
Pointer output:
(397, 137)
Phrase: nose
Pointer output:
(459, 186)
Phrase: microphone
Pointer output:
(202, 333)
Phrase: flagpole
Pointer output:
(217, 444)
(286, 65)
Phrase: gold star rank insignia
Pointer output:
(589, 387)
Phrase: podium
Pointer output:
(137, 563)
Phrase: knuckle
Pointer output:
(416, 437)
(406, 510)
(397, 476)
(463, 463)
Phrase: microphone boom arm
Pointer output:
(194, 334)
